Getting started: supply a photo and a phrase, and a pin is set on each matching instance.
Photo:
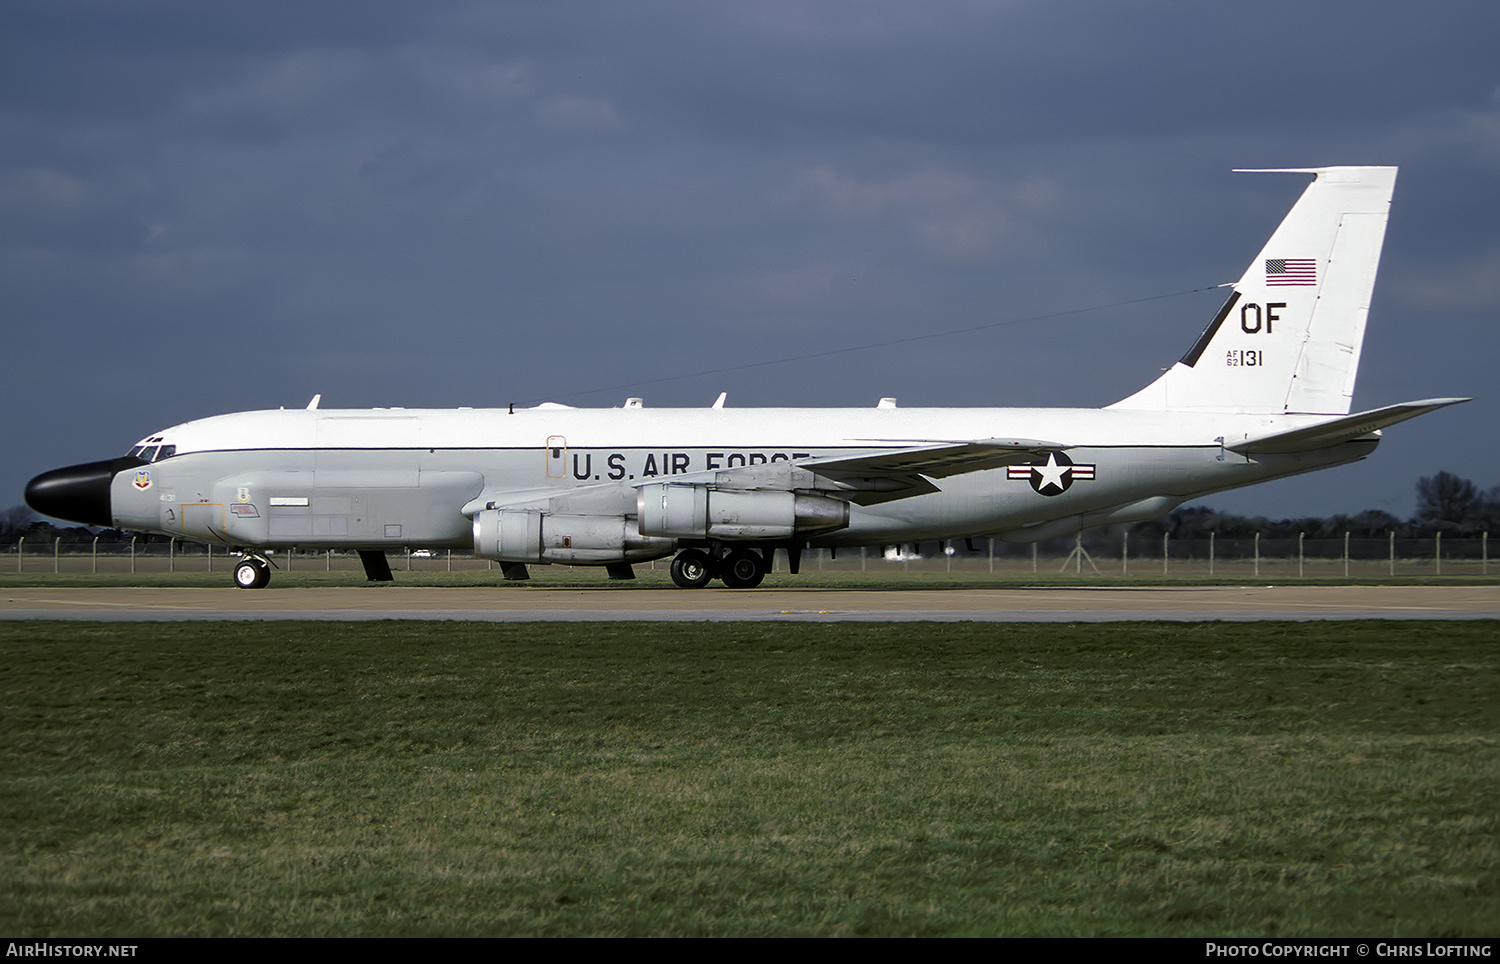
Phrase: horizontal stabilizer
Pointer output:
(1340, 429)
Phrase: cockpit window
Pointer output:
(153, 453)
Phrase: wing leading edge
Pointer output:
(937, 461)
(888, 474)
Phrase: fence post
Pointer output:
(172, 554)
(1164, 537)
(1299, 554)
(94, 555)
(1211, 553)
(132, 555)
(1125, 554)
(1346, 553)
(1437, 553)
(1257, 553)
(20, 551)
(1484, 552)
(1033, 558)
(1393, 551)
(56, 544)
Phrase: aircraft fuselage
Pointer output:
(339, 479)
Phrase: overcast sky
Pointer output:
(209, 207)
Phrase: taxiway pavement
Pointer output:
(513, 604)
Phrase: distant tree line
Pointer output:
(1445, 503)
(19, 521)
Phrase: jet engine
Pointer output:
(532, 535)
(670, 511)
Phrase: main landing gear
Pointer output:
(738, 568)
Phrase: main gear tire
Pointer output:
(692, 569)
(742, 569)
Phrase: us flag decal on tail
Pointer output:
(1282, 272)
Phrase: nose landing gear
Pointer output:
(252, 572)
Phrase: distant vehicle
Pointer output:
(422, 554)
(1263, 393)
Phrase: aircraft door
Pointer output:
(557, 456)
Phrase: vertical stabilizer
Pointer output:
(1288, 339)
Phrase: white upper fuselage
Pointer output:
(772, 429)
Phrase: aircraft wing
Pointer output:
(1339, 430)
(936, 461)
(888, 474)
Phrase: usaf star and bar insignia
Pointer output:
(1052, 476)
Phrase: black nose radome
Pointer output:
(78, 493)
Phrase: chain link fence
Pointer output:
(1093, 554)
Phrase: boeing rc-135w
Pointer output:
(1263, 393)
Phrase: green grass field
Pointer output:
(392, 778)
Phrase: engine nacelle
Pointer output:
(532, 535)
(673, 511)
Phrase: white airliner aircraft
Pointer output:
(1263, 393)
